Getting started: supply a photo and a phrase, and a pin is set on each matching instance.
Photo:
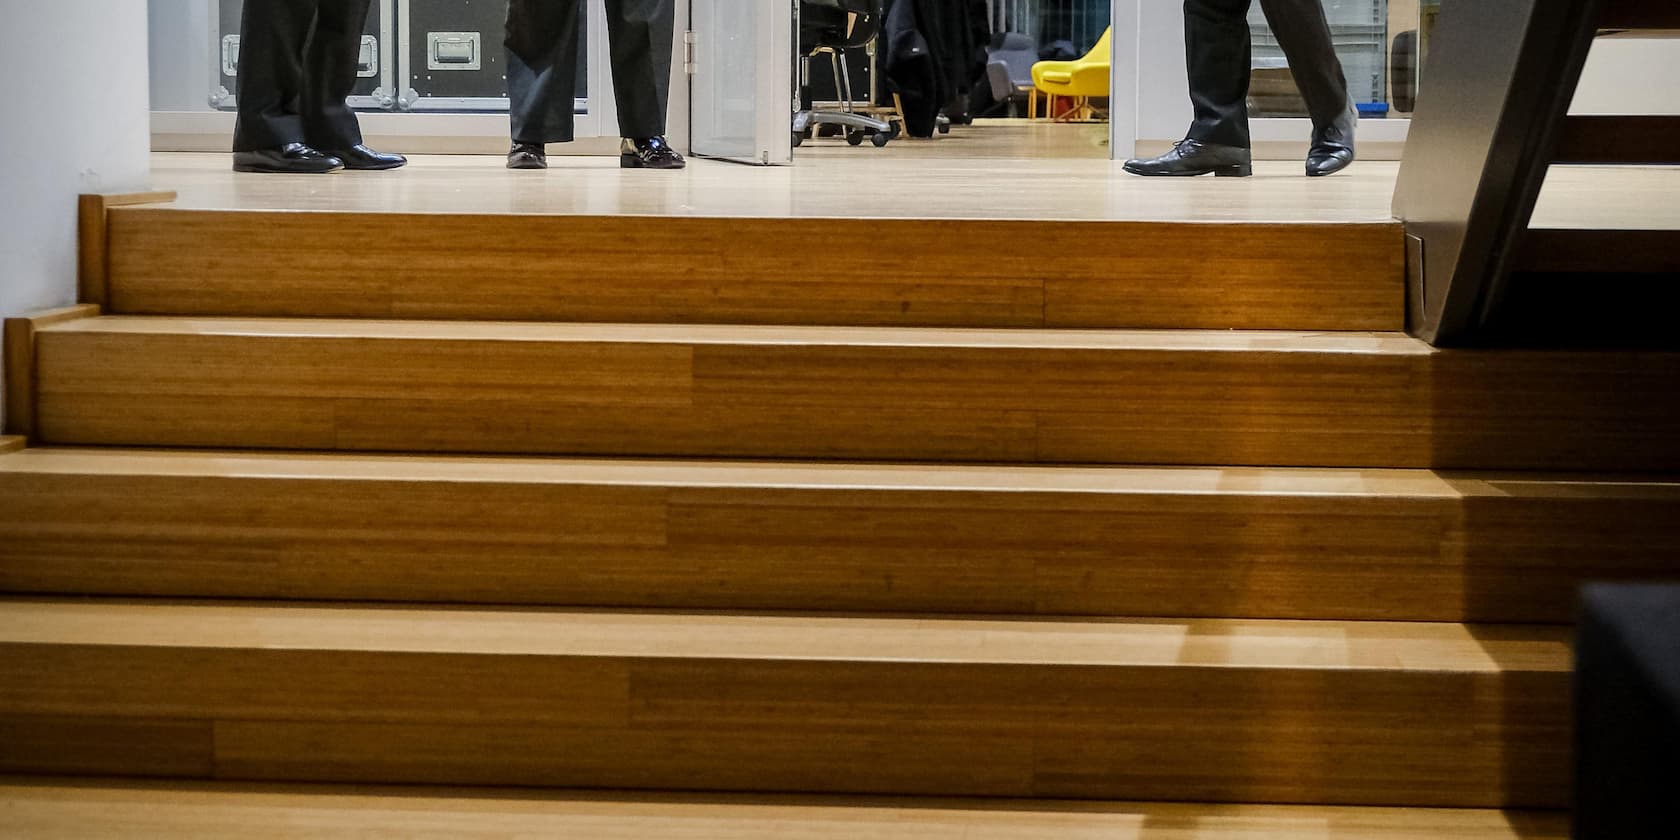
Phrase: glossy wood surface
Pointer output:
(1262, 543)
(1169, 397)
(1324, 713)
(867, 272)
(925, 184)
(48, 809)
(828, 184)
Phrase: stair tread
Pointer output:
(1258, 644)
(1202, 340)
(48, 809)
(1271, 481)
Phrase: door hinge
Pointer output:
(689, 40)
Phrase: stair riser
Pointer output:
(1353, 736)
(1491, 558)
(941, 403)
(859, 272)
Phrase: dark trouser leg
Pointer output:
(641, 34)
(270, 84)
(542, 58)
(1305, 37)
(1219, 51)
(329, 74)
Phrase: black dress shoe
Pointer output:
(527, 156)
(649, 153)
(1332, 146)
(1193, 157)
(362, 157)
(292, 158)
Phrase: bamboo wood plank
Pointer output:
(1322, 713)
(93, 252)
(123, 745)
(1184, 397)
(854, 272)
(59, 810)
(12, 443)
(1396, 545)
(20, 385)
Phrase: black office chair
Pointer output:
(834, 27)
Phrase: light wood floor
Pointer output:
(848, 182)
(62, 810)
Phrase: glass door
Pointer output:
(741, 80)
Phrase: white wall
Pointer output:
(76, 120)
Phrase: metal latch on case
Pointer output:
(452, 51)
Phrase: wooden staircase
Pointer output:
(666, 513)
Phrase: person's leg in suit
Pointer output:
(297, 64)
(542, 43)
(642, 35)
(268, 134)
(1304, 34)
(542, 50)
(1218, 53)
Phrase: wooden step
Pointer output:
(814, 271)
(45, 809)
(1212, 711)
(1187, 397)
(1184, 542)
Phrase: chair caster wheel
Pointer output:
(881, 139)
(798, 139)
(854, 138)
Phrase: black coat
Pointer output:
(934, 51)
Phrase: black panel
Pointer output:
(820, 86)
(231, 12)
(1627, 713)
(488, 18)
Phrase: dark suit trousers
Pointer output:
(297, 64)
(542, 47)
(1220, 53)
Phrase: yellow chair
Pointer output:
(1081, 80)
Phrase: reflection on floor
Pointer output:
(988, 138)
(1006, 170)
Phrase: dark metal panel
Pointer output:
(477, 85)
(1597, 251)
(373, 91)
(1640, 14)
(1500, 76)
(1625, 140)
